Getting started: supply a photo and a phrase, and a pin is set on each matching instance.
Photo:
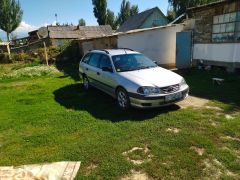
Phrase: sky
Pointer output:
(38, 13)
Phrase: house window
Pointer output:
(226, 27)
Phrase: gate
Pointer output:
(183, 49)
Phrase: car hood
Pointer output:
(158, 77)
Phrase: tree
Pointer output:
(180, 6)
(171, 15)
(82, 22)
(10, 16)
(100, 11)
(126, 10)
(134, 10)
(111, 19)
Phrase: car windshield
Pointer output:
(132, 62)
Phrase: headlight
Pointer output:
(183, 82)
(146, 90)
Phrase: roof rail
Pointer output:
(100, 50)
(126, 49)
(104, 50)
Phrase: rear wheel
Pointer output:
(86, 83)
(123, 99)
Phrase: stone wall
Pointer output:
(203, 25)
(97, 43)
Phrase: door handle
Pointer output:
(98, 73)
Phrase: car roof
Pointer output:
(113, 52)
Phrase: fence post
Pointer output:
(45, 52)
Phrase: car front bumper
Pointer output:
(141, 101)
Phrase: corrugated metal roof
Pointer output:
(134, 22)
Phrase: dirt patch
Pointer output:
(213, 169)
(90, 168)
(138, 155)
(199, 151)
(230, 138)
(136, 175)
(194, 102)
(214, 108)
(227, 116)
(173, 130)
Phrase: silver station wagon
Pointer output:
(131, 78)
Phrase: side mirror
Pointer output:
(107, 69)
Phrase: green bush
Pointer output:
(4, 58)
(20, 57)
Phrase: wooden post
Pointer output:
(45, 52)
(9, 52)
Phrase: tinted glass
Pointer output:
(94, 60)
(105, 62)
(131, 62)
(86, 58)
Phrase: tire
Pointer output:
(123, 99)
(86, 83)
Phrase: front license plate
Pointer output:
(173, 97)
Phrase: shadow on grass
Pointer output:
(201, 85)
(69, 69)
(102, 106)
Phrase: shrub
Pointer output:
(20, 57)
(4, 58)
(35, 71)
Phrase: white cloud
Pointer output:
(24, 27)
(48, 24)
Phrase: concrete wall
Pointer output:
(156, 19)
(223, 54)
(158, 44)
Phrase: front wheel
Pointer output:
(86, 83)
(123, 99)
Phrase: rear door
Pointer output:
(92, 69)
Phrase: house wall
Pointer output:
(224, 54)
(156, 19)
(158, 44)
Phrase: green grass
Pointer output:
(51, 118)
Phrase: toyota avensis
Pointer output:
(131, 78)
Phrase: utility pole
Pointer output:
(56, 16)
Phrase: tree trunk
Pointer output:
(8, 47)
(8, 37)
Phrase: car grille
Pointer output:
(170, 89)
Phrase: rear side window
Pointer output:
(105, 62)
(95, 60)
(86, 58)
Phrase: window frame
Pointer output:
(100, 56)
(109, 59)
(227, 34)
